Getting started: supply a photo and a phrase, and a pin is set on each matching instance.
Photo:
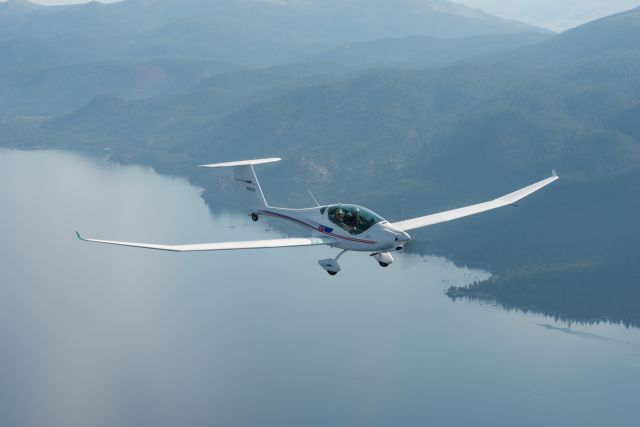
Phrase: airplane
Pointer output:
(343, 226)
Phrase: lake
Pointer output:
(95, 335)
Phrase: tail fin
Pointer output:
(246, 181)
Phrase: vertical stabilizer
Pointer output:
(246, 181)
(248, 187)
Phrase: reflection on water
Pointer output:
(101, 336)
(588, 335)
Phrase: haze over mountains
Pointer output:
(411, 108)
(246, 31)
(552, 14)
(141, 48)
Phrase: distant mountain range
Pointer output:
(422, 51)
(255, 32)
(616, 34)
(55, 59)
(403, 122)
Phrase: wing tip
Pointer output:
(79, 236)
(554, 174)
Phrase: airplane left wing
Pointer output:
(221, 246)
(508, 199)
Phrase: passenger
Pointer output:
(354, 220)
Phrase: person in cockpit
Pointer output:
(354, 220)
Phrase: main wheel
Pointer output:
(254, 217)
(332, 273)
(382, 264)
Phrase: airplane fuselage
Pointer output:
(369, 233)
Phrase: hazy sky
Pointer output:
(55, 2)
(554, 14)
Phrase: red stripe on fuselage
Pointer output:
(279, 215)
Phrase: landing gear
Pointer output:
(384, 258)
(254, 217)
(331, 265)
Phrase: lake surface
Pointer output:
(94, 335)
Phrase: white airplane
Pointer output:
(342, 226)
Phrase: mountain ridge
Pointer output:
(616, 33)
(245, 32)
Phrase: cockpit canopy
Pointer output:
(352, 218)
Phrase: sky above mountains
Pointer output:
(557, 15)
(59, 2)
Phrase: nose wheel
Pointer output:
(384, 258)
(254, 217)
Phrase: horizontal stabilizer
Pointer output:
(242, 163)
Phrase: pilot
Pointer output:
(340, 216)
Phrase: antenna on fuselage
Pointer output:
(313, 197)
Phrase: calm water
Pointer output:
(96, 335)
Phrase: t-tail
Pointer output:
(246, 182)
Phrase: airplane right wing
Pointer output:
(505, 200)
(221, 246)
